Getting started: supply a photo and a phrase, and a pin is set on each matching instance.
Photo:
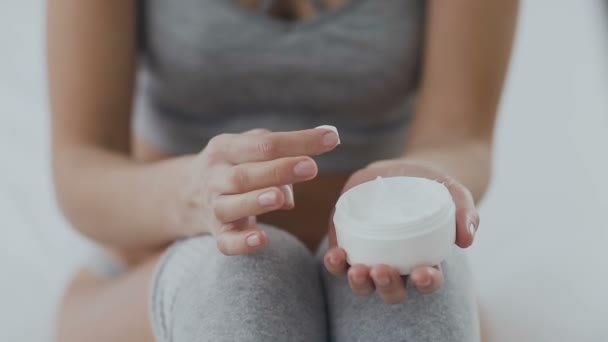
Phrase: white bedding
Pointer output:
(540, 258)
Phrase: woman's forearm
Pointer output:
(468, 162)
(117, 201)
(465, 60)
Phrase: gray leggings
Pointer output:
(283, 293)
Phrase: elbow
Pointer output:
(68, 191)
(63, 187)
(60, 173)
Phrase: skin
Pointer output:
(143, 199)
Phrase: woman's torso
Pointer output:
(214, 66)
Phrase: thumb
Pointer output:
(335, 257)
(331, 233)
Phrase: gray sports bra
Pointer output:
(213, 66)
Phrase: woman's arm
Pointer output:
(467, 50)
(120, 202)
(468, 46)
(103, 192)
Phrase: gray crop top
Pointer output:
(213, 66)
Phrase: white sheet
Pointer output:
(540, 258)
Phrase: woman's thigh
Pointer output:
(449, 315)
(98, 309)
(275, 294)
(195, 293)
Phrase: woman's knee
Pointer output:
(450, 314)
(199, 292)
(200, 257)
(283, 254)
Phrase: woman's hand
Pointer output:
(239, 176)
(365, 279)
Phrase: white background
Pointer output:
(541, 258)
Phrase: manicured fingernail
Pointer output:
(305, 168)
(288, 191)
(267, 199)
(359, 279)
(332, 138)
(383, 281)
(472, 230)
(253, 240)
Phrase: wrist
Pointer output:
(179, 208)
(468, 162)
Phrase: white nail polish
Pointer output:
(288, 192)
(330, 128)
(472, 229)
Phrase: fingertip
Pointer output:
(422, 277)
(427, 279)
(360, 281)
(389, 283)
(280, 197)
(467, 225)
(335, 261)
(259, 238)
(358, 270)
(437, 279)
(331, 139)
(380, 270)
(382, 275)
(336, 252)
(277, 200)
(254, 241)
(287, 191)
(474, 218)
(233, 242)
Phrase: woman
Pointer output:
(240, 262)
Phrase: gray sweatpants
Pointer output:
(283, 293)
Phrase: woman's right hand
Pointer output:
(239, 176)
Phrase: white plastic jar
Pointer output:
(403, 222)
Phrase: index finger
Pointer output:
(239, 149)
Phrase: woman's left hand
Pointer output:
(365, 279)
